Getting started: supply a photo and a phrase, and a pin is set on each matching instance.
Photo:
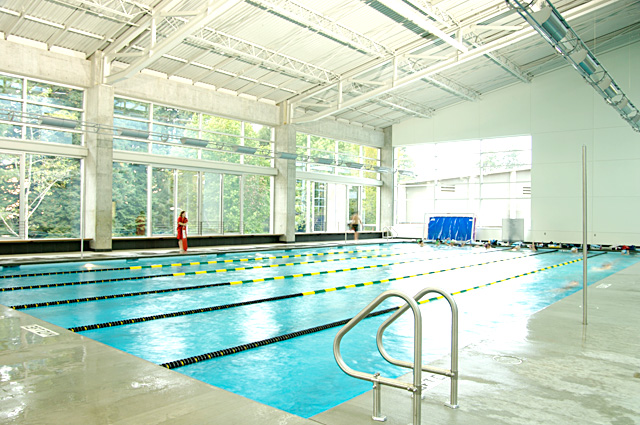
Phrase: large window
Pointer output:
(256, 204)
(215, 203)
(327, 207)
(36, 110)
(10, 203)
(490, 178)
(211, 203)
(129, 198)
(41, 196)
(165, 130)
(329, 156)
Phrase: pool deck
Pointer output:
(556, 371)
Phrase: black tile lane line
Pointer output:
(193, 263)
(277, 298)
(240, 282)
(237, 349)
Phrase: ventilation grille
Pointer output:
(526, 190)
(447, 188)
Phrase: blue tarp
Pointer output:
(455, 228)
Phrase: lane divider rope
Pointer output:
(258, 301)
(194, 263)
(244, 347)
(237, 282)
(123, 279)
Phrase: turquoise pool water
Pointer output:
(298, 375)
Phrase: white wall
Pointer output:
(562, 113)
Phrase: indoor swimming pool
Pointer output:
(267, 319)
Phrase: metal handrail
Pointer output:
(416, 387)
(451, 373)
(391, 231)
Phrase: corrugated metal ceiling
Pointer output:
(277, 50)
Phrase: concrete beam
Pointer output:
(30, 61)
(341, 131)
(174, 93)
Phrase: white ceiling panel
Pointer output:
(309, 52)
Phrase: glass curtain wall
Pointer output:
(256, 205)
(329, 156)
(231, 204)
(41, 196)
(10, 203)
(36, 110)
(211, 203)
(187, 199)
(215, 203)
(165, 130)
(163, 214)
(328, 207)
(490, 178)
(41, 193)
(129, 200)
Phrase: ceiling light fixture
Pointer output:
(286, 155)
(548, 22)
(130, 132)
(58, 122)
(194, 142)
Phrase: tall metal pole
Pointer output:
(584, 235)
(83, 185)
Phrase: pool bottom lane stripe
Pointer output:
(239, 348)
(281, 297)
(239, 282)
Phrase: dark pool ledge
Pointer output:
(46, 250)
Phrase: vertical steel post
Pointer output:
(377, 402)
(584, 235)
(83, 193)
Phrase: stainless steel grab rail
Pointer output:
(391, 231)
(416, 387)
(451, 373)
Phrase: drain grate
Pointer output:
(508, 359)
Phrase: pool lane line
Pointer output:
(122, 279)
(193, 263)
(240, 282)
(244, 347)
(122, 322)
(180, 274)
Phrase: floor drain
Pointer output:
(507, 359)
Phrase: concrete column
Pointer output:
(99, 162)
(386, 191)
(285, 185)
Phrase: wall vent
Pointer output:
(447, 188)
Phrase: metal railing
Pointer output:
(415, 387)
(389, 232)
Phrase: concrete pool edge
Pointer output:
(71, 379)
(569, 373)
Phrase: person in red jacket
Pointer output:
(182, 232)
